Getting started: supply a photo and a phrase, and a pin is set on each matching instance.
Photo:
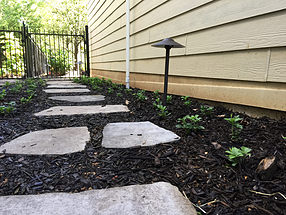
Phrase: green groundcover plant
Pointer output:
(190, 123)
(236, 155)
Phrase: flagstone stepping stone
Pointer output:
(66, 86)
(83, 98)
(133, 134)
(50, 91)
(60, 82)
(77, 110)
(50, 141)
(10, 81)
(158, 198)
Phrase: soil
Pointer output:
(197, 164)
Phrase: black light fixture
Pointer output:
(167, 44)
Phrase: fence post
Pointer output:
(24, 42)
(87, 51)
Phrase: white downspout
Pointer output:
(127, 43)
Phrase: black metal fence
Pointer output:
(43, 54)
(11, 54)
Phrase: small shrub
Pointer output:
(190, 123)
(156, 94)
(109, 82)
(114, 86)
(235, 155)
(17, 88)
(24, 100)
(140, 95)
(3, 94)
(206, 110)
(169, 99)
(76, 80)
(8, 108)
(157, 102)
(7, 84)
(186, 100)
(163, 112)
(236, 127)
(119, 94)
(110, 90)
(128, 90)
(95, 87)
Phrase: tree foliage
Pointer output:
(14, 12)
(53, 15)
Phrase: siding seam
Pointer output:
(267, 64)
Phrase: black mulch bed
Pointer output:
(202, 172)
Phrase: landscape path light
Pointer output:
(167, 43)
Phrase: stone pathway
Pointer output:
(135, 134)
(158, 198)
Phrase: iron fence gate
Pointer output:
(43, 54)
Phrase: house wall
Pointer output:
(235, 50)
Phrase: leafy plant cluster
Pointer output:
(236, 127)
(59, 62)
(7, 108)
(206, 110)
(28, 87)
(140, 95)
(190, 123)
(186, 100)
(236, 155)
(3, 94)
(162, 110)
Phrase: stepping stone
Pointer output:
(87, 98)
(51, 91)
(133, 134)
(77, 110)
(11, 81)
(66, 86)
(49, 142)
(158, 198)
(60, 82)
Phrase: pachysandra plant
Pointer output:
(110, 90)
(156, 94)
(190, 123)
(236, 127)
(3, 94)
(236, 155)
(186, 100)
(140, 95)
(157, 102)
(206, 110)
(169, 99)
(163, 112)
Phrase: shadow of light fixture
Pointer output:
(168, 44)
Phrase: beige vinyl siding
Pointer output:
(227, 41)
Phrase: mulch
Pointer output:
(196, 164)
